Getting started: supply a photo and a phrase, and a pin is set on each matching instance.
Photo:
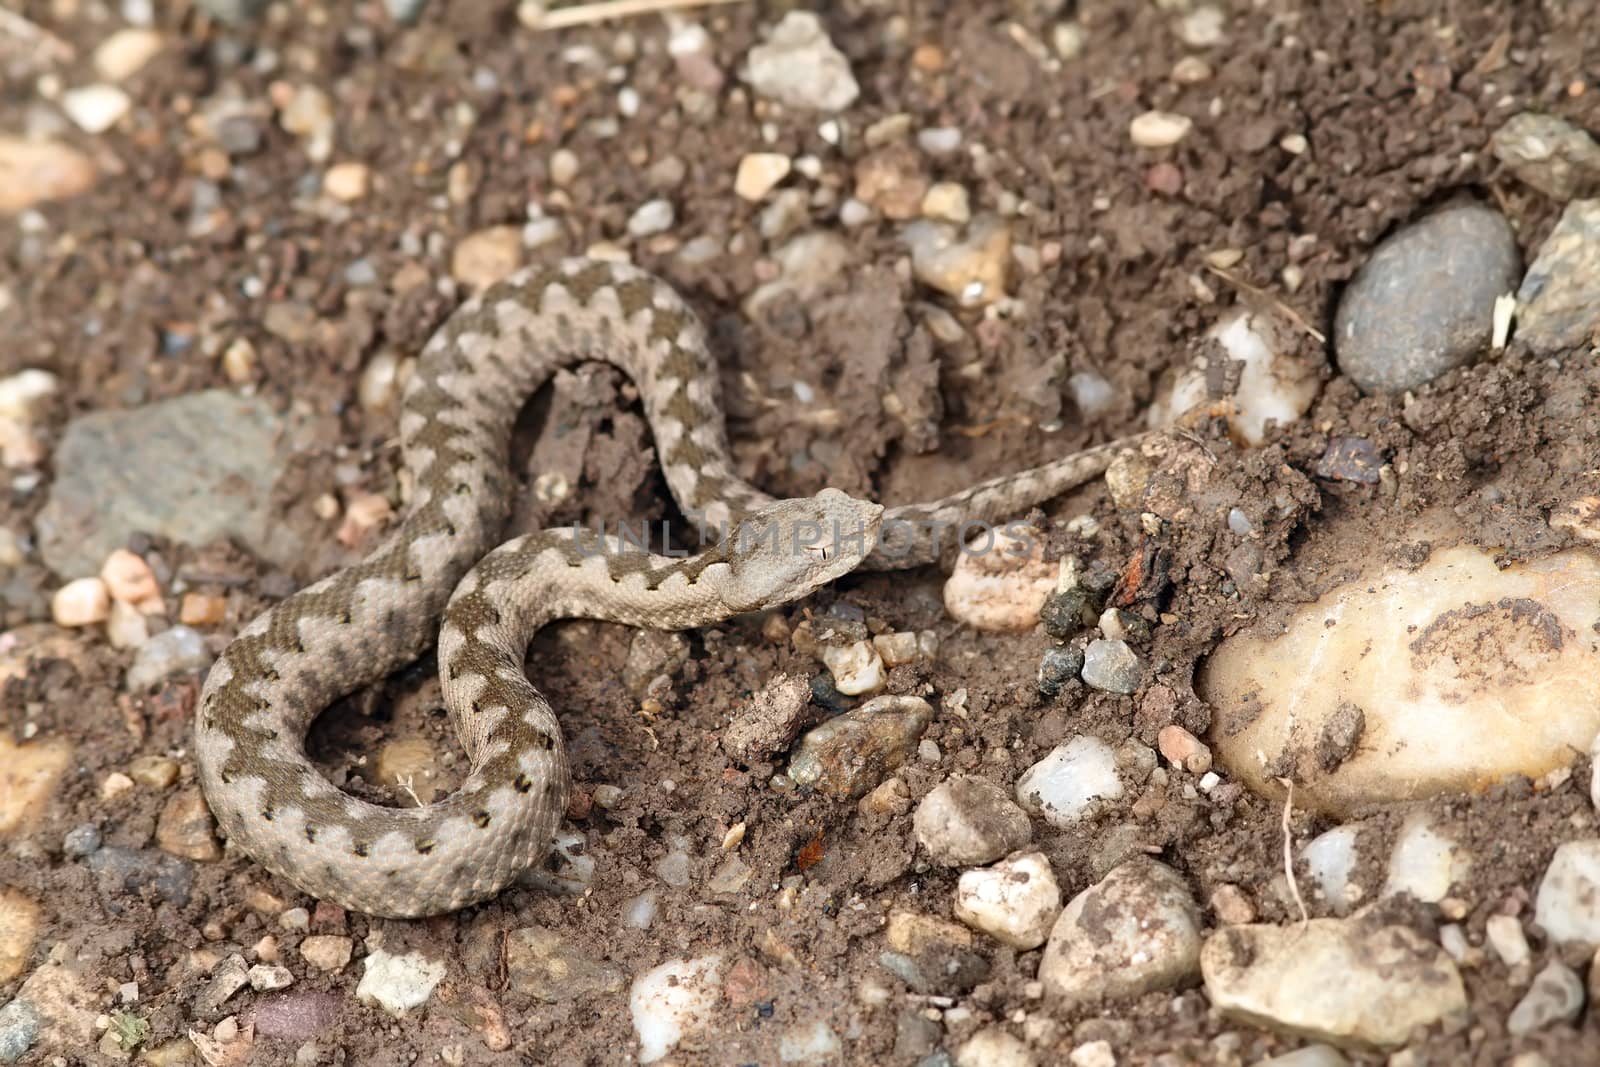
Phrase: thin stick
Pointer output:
(601, 10)
(14, 25)
(1295, 316)
(1288, 851)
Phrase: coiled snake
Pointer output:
(353, 627)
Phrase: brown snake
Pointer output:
(355, 626)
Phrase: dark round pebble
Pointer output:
(1059, 666)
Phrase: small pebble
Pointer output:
(398, 984)
(96, 108)
(993, 1047)
(38, 172)
(847, 756)
(1505, 936)
(856, 668)
(968, 820)
(1159, 129)
(673, 1001)
(1556, 996)
(327, 952)
(1183, 749)
(652, 217)
(759, 173)
(202, 609)
(1550, 154)
(81, 841)
(1134, 931)
(1064, 785)
(264, 978)
(178, 650)
(946, 201)
(1016, 901)
(1567, 906)
(1112, 666)
(800, 67)
(347, 181)
(126, 52)
(972, 267)
(82, 602)
(128, 578)
(1558, 303)
(480, 259)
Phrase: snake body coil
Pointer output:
(436, 570)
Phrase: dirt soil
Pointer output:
(1397, 100)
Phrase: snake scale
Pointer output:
(437, 570)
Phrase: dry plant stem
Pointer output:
(1288, 851)
(584, 14)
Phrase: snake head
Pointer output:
(785, 550)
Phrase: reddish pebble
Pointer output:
(1164, 178)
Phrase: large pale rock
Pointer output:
(1350, 982)
(1401, 685)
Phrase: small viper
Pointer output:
(436, 569)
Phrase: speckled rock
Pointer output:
(195, 469)
(1350, 982)
(1556, 996)
(1136, 930)
(1549, 154)
(1422, 303)
(1558, 305)
(398, 983)
(846, 756)
(1015, 902)
(1568, 903)
(799, 67)
(548, 967)
(931, 956)
(968, 820)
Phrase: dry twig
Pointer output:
(1256, 291)
(1288, 851)
(601, 10)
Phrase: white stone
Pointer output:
(812, 1043)
(640, 911)
(1273, 386)
(1425, 863)
(1447, 677)
(994, 1047)
(22, 393)
(1159, 129)
(1568, 904)
(397, 984)
(347, 181)
(1064, 786)
(856, 668)
(1015, 902)
(1331, 860)
(95, 108)
(125, 53)
(652, 217)
(82, 602)
(1309, 1056)
(677, 999)
(126, 627)
(972, 266)
(1505, 936)
(968, 819)
(1134, 931)
(1000, 581)
(946, 201)
(1345, 981)
(1093, 1054)
(800, 67)
(759, 173)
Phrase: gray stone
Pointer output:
(968, 820)
(800, 67)
(1549, 154)
(1058, 666)
(1423, 303)
(846, 757)
(19, 1029)
(404, 11)
(124, 872)
(548, 967)
(194, 469)
(81, 841)
(1112, 666)
(1558, 306)
(170, 652)
(1136, 930)
(1556, 996)
(234, 12)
